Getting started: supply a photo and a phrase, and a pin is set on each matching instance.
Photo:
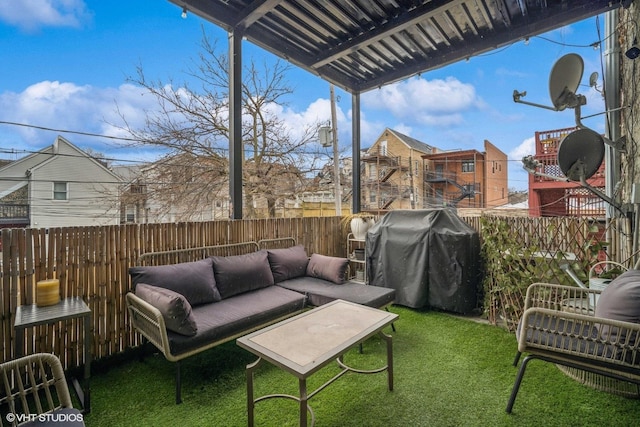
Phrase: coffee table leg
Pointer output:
(87, 364)
(303, 402)
(389, 341)
(250, 402)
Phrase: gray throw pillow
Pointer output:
(194, 280)
(242, 273)
(288, 263)
(620, 301)
(329, 268)
(174, 307)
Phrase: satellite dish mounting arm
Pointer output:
(578, 171)
(517, 98)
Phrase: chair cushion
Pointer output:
(329, 268)
(174, 307)
(321, 291)
(194, 280)
(620, 301)
(237, 274)
(288, 263)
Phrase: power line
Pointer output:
(77, 132)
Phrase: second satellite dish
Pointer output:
(564, 81)
(580, 154)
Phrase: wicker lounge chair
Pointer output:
(559, 326)
(35, 391)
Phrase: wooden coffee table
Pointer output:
(309, 341)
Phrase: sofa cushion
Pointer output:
(237, 274)
(237, 316)
(329, 268)
(620, 301)
(194, 280)
(288, 263)
(320, 292)
(175, 309)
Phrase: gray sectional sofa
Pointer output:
(189, 307)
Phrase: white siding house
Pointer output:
(62, 186)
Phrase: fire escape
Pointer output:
(440, 184)
(386, 179)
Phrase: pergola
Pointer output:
(360, 45)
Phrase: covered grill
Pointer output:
(430, 257)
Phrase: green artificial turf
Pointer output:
(449, 371)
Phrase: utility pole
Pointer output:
(336, 160)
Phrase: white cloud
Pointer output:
(30, 15)
(509, 73)
(66, 106)
(425, 102)
(526, 148)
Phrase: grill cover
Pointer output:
(430, 257)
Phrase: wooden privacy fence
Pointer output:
(93, 262)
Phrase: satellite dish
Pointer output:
(580, 154)
(564, 80)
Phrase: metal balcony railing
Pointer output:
(440, 176)
(14, 213)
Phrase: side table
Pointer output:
(68, 308)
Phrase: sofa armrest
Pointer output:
(148, 321)
(563, 298)
(578, 340)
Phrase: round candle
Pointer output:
(47, 292)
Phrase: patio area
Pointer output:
(449, 371)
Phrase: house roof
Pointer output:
(455, 154)
(363, 44)
(32, 162)
(412, 142)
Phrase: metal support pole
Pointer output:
(355, 137)
(235, 123)
(336, 161)
(612, 119)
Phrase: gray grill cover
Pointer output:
(430, 257)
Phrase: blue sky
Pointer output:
(65, 65)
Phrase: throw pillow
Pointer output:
(194, 280)
(174, 307)
(329, 268)
(242, 273)
(620, 301)
(288, 263)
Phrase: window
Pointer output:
(468, 166)
(59, 191)
(138, 188)
(469, 190)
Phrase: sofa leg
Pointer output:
(516, 385)
(178, 384)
